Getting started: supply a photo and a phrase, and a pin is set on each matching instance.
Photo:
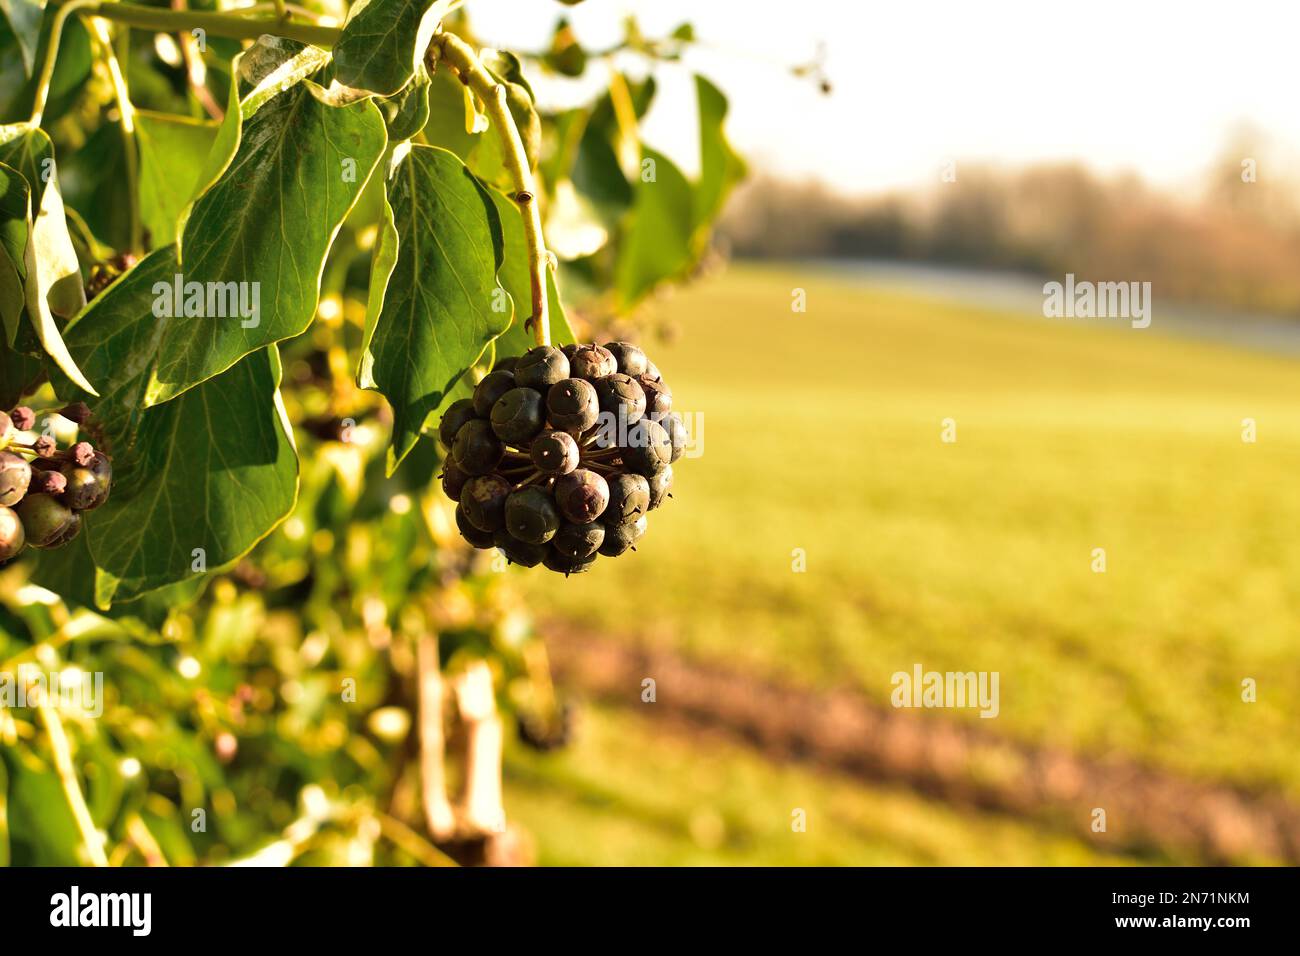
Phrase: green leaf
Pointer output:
(213, 469)
(435, 303)
(18, 374)
(266, 226)
(514, 276)
(658, 242)
(446, 124)
(53, 284)
(384, 41)
(720, 166)
(91, 179)
(408, 112)
(269, 66)
(42, 830)
(172, 148)
(72, 68)
(14, 205)
(24, 18)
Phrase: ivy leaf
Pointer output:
(720, 166)
(269, 66)
(408, 112)
(658, 242)
(514, 276)
(53, 283)
(171, 149)
(14, 203)
(72, 67)
(435, 303)
(446, 125)
(24, 18)
(18, 374)
(214, 469)
(264, 229)
(384, 41)
(42, 830)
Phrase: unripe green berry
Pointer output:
(15, 477)
(506, 364)
(582, 495)
(71, 531)
(457, 414)
(12, 536)
(487, 392)
(518, 416)
(541, 367)
(46, 520)
(555, 453)
(84, 491)
(531, 516)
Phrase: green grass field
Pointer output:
(822, 432)
(628, 794)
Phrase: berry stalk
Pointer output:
(458, 54)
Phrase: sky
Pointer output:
(1157, 88)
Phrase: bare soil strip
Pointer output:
(1148, 810)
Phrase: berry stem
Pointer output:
(461, 56)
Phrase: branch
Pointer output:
(459, 54)
(68, 778)
(230, 25)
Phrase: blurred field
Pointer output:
(629, 793)
(822, 432)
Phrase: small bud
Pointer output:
(49, 482)
(23, 418)
(78, 412)
(45, 446)
(83, 453)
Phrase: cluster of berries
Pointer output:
(44, 490)
(561, 453)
